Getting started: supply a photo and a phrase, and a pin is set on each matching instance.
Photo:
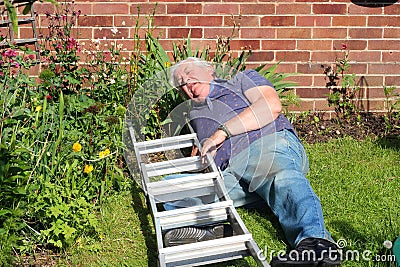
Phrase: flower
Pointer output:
(48, 97)
(104, 153)
(77, 147)
(344, 46)
(38, 108)
(167, 64)
(88, 168)
(388, 244)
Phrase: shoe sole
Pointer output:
(187, 235)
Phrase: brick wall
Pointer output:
(301, 34)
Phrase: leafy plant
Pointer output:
(392, 102)
(342, 86)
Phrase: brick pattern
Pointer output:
(301, 34)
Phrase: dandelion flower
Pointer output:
(167, 64)
(77, 147)
(38, 108)
(88, 168)
(387, 244)
(107, 152)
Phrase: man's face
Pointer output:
(194, 80)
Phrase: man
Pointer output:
(239, 121)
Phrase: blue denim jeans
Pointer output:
(273, 170)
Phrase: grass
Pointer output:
(357, 182)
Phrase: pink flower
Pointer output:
(344, 46)
(9, 53)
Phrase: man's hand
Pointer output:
(213, 143)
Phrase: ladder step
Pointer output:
(164, 144)
(197, 215)
(207, 251)
(187, 164)
(187, 186)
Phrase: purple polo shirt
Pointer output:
(225, 100)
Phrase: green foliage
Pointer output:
(342, 86)
(392, 102)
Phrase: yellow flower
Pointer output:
(77, 147)
(167, 64)
(104, 153)
(88, 168)
(38, 108)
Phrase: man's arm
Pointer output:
(265, 107)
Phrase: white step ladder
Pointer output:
(197, 180)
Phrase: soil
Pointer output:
(312, 129)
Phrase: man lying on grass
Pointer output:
(256, 147)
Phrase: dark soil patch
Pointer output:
(312, 129)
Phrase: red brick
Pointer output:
(391, 33)
(314, 45)
(221, 9)
(329, 33)
(277, 21)
(184, 9)
(130, 21)
(245, 44)
(293, 56)
(95, 21)
(383, 44)
(147, 8)
(204, 20)
(257, 33)
(384, 21)
(293, 9)
(294, 33)
(365, 33)
(303, 105)
(110, 8)
(313, 21)
(312, 68)
(383, 68)
(106, 32)
(312, 92)
(184, 32)
(325, 56)
(357, 9)
(246, 21)
(390, 56)
(392, 81)
(301, 80)
(85, 9)
(374, 92)
(262, 56)
(365, 56)
(260, 9)
(321, 105)
(349, 21)
(351, 44)
(329, 9)
(214, 32)
(372, 105)
(278, 44)
(392, 9)
(165, 21)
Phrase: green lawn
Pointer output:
(356, 181)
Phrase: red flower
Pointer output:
(49, 97)
(344, 46)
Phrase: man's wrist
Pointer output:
(223, 128)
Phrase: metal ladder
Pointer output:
(199, 180)
(5, 22)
